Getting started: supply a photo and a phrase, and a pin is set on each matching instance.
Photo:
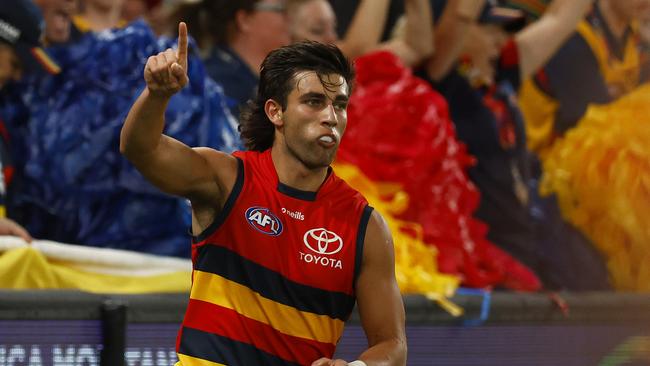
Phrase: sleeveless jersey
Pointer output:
(273, 277)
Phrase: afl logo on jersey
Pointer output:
(264, 221)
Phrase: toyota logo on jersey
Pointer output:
(323, 241)
(264, 221)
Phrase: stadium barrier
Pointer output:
(70, 328)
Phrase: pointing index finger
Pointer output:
(182, 45)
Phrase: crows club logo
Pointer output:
(322, 243)
(264, 221)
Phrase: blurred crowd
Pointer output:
(507, 136)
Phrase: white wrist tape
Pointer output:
(357, 363)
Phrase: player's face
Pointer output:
(315, 21)
(315, 118)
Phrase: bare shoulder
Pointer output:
(378, 229)
(378, 297)
(378, 244)
(223, 167)
(217, 158)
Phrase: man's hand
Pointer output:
(10, 227)
(166, 73)
(328, 362)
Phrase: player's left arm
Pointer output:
(378, 298)
(379, 301)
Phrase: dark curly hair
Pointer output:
(277, 80)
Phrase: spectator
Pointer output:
(237, 35)
(483, 105)
(599, 63)
(20, 34)
(57, 15)
(586, 117)
(99, 15)
(155, 12)
(135, 9)
(315, 20)
(75, 187)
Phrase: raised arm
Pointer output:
(450, 34)
(541, 39)
(364, 32)
(379, 301)
(416, 43)
(199, 174)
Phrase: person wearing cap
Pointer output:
(478, 66)
(20, 52)
(21, 26)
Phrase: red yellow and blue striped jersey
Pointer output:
(273, 277)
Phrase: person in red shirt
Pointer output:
(283, 248)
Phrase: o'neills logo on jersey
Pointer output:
(294, 214)
(264, 221)
(321, 244)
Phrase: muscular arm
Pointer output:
(379, 301)
(540, 40)
(198, 174)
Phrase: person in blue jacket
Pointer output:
(20, 53)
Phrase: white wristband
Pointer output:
(357, 363)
